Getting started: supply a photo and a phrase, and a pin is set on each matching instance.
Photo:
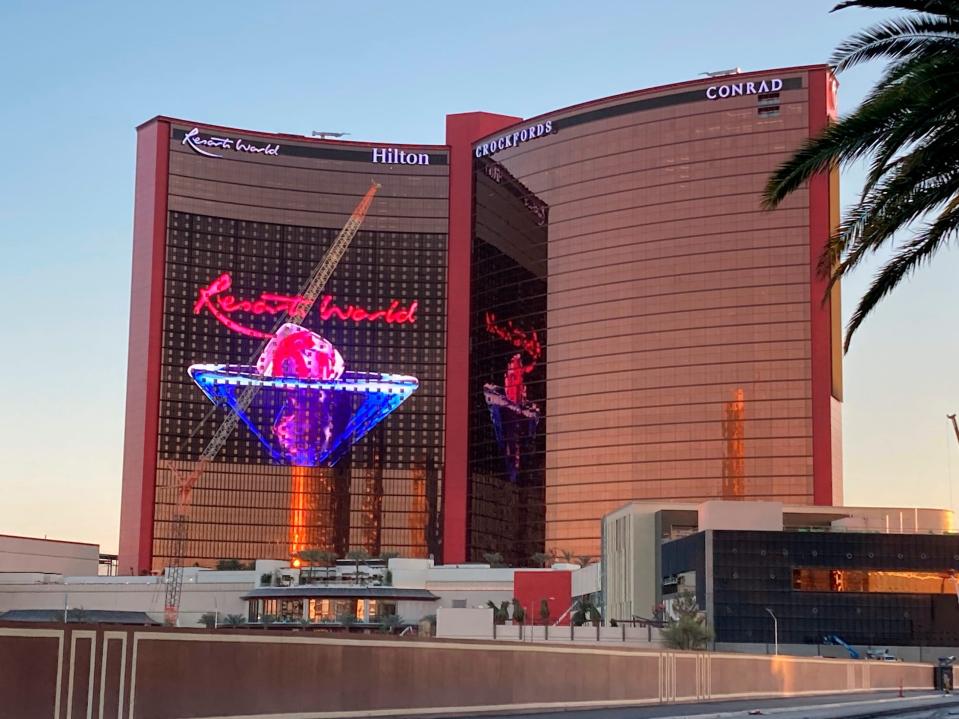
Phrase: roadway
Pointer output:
(915, 705)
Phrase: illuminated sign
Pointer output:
(221, 306)
(306, 410)
(399, 157)
(196, 142)
(720, 92)
(526, 341)
(513, 139)
(514, 417)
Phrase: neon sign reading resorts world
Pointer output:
(197, 142)
(212, 297)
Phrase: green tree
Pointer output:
(234, 620)
(540, 559)
(585, 559)
(586, 611)
(358, 555)
(544, 612)
(500, 613)
(78, 615)
(229, 565)
(208, 620)
(519, 612)
(390, 623)
(388, 573)
(494, 559)
(909, 126)
(686, 624)
(347, 619)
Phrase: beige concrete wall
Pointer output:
(26, 554)
(630, 561)
(166, 673)
(140, 594)
(755, 516)
(464, 623)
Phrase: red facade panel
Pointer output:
(461, 132)
(555, 587)
(143, 363)
(821, 316)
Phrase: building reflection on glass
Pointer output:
(507, 367)
(734, 435)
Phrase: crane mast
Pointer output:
(186, 481)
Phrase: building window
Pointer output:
(874, 581)
(321, 611)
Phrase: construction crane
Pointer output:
(186, 481)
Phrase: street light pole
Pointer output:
(775, 629)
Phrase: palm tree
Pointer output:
(585, 559)
(586, 611)
(494, 559)
(500, 613)
(909, 126)
(686, 627)
(540, 559)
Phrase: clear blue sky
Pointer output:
(78, 77)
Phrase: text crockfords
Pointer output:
(514, 138)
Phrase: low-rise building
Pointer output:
(32, 554)
(633, 537)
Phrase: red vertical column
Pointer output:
(823, 353)
(462, 130)
(143, 360)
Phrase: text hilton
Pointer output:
(395, 156)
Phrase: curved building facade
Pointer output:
(660, 335)
(596, 308)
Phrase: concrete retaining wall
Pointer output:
(88, 671)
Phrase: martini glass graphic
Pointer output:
(514, 417)
(309, 411)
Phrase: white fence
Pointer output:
(478, 624)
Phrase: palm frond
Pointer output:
(840, 143)
(908, 127)
(878, 217)
(919, 250)
(897, 38)
(939, 7)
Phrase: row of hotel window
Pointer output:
(320, 610)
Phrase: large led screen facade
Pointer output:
(352, 457)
